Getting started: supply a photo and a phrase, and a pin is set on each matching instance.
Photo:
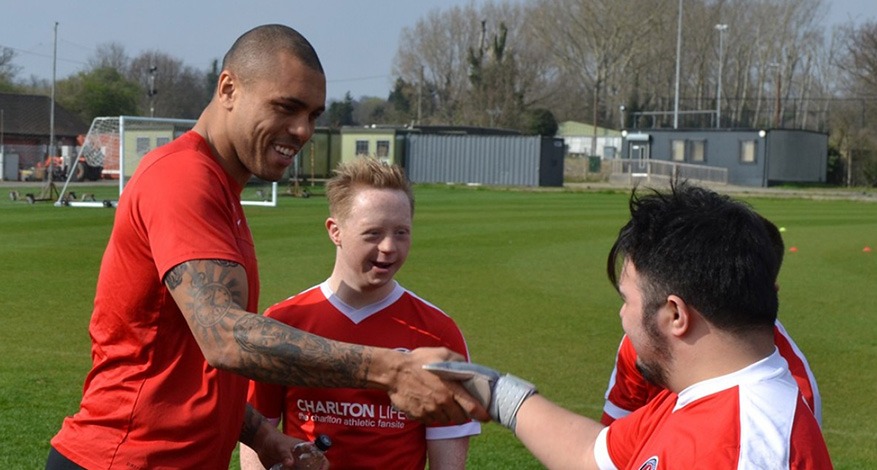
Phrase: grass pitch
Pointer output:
(521, 272)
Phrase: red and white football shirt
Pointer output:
(753, 418)
(629, 390)
(366, 430)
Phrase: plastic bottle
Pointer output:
(309, 455)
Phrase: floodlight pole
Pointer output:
(152, 91)
(52, 109)
(678, 54)
(721, 28)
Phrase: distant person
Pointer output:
(695, 271)
(629, 390)
(371, 207)
(173, 337)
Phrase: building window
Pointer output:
(698, 151)
(383, 149)
(677, 150)
(362, 147)
(747, 151)
(142, 145)
(159, 141)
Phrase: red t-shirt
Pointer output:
(629, 390)
(150, 399)
(753, 418)
(367, 432)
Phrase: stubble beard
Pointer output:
(655, 370)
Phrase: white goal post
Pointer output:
(114, 146)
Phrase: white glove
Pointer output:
(501, 394)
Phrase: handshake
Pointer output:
(501, 394)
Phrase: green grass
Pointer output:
(522, 273)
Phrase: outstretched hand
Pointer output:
(501, 394)
(425, 397)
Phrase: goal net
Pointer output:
(113, 148)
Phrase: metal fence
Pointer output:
(637, 170)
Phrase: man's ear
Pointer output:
(681, 316)
(226, 88)
(334, 231)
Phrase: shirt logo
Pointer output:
(651, 464)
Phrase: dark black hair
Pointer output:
(715, 253)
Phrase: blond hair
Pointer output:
(363, 172)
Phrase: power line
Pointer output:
(357, 79)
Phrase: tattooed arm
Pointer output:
(210, 294)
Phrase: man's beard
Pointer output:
(654, 370)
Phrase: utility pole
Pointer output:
(721, 28)
(52, 109)
(49, 191)
(678, 54)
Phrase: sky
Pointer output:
(356, 39)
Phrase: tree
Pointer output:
(101, 92)
(400, 108)
(604, 46)
(212, 78)
(182, 91)
(854, 119)
(371, 110)
(110, 55)
(494, 100)
(340, 113)
(540, 121)
(435, 58)
(8, 70)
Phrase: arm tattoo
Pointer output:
(174, 277)
(290, 356)
(211, 293)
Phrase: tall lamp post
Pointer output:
(678, 58)
(51, 149)
(721, 29)
(152, 91)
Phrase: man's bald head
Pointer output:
(254, 54)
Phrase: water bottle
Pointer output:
(309, 455)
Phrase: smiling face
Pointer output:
(273, 115)
(372, 240)
(641, 326)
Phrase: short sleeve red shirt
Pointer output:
(150, 399)
(752, 418)
(366, 430)
(628, 390)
